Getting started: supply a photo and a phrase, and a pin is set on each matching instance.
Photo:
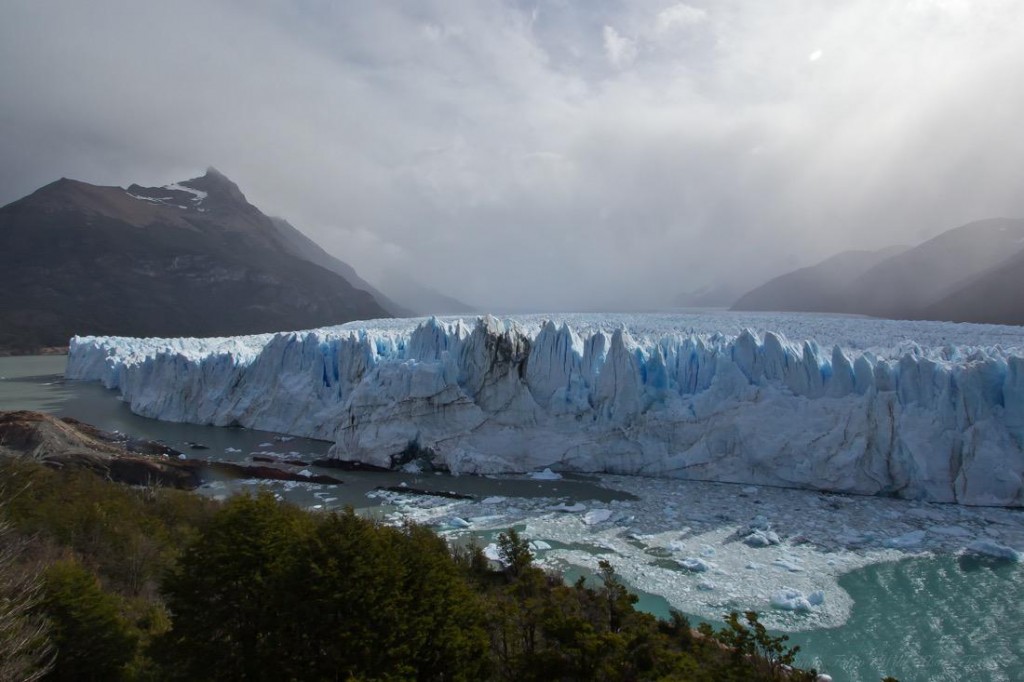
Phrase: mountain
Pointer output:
(992, 297)
(816, 288)
(904, 286)
(193, 258)
(302, 246)
(717, 296)
(964, 274)
(421, 298)
(408, 297)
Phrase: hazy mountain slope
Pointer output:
(422, 299)
(817, 288)
(302, 246)
(718, 296)
(923, 282)
(993, 297)
(190, 259)
(905, 285)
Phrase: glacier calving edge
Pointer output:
(943, 424)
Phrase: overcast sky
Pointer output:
(573, 154)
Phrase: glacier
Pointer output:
(919, 410)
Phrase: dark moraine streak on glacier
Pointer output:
(943, 422)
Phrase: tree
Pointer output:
(514, 552)
(225, 594)
(270, 592)
(93, 641)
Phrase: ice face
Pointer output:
(857, 407)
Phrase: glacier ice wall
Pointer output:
(943, 423)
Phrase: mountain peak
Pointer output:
(217, 185)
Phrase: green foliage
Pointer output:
(93, 640)
(752, 646)
(150, 584)
(129, 536)
(270, 592)
(514, 552)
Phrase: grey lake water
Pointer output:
(919, 619)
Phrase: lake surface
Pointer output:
(939, 617)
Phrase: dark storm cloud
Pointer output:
(555, 155)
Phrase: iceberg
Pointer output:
(994, 550)
(856, 408)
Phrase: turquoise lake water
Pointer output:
(922, 619)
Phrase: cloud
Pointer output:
(557, 155)
(621, 50)
(679, 16)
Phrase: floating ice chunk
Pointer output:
(412, 468)
(762, 538)
(182, 457)
(265, 445)
(458, 522)
(491, 552)
(306, 472)
(995, 550)
(496, 499)
(789, 599)
(707, 551)
(694, 565)
(911, 539)
(706, 585)
(760, 522)
(596, 516)
(546, 475)
(750, 490)
(539, 545)
(816, 598)
(789, 564)
(232, 450)
(573, 508)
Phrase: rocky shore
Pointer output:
(66, 443)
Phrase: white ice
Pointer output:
(911, 409)
(672, 522)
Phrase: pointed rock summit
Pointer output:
(219, 187)
(192, 258)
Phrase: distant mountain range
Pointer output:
(193, 258)
(972, 273)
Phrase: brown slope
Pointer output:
(76, 258)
